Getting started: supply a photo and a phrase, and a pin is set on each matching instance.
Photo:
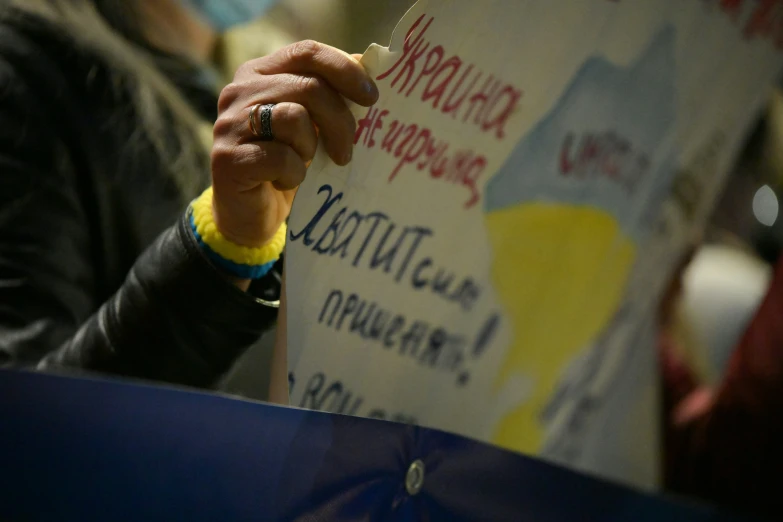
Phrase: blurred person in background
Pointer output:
(345, 24)
(722, 440)
(106, 109)
(721, 353)
(722, 289)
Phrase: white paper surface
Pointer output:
(489, 261)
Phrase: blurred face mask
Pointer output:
(224, 14)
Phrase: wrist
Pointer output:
(245, 229)
(241, 263)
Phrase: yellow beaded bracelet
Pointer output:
(208, 233)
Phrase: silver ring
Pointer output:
(261, 121)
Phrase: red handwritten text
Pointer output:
(765, 20)
(450, 85)
(415, 146)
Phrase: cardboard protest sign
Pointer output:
(490, 261)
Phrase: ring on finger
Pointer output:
(261, 121)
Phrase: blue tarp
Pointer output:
(77, 449)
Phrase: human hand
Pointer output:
(254, 181)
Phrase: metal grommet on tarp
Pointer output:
(414, 479)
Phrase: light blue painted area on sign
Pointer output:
(608, 142)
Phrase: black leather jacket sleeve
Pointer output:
(174, 319)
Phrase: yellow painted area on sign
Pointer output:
(559, 272)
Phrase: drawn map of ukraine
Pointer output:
(565, 216)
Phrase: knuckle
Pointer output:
(304, 51)
(223, 125)
(309, 86)
(295, 115)
(245, 69)
(230, 94)
(222, 158)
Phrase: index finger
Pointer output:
(339, 69)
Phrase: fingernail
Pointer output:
(370, 88)
(347, 157)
